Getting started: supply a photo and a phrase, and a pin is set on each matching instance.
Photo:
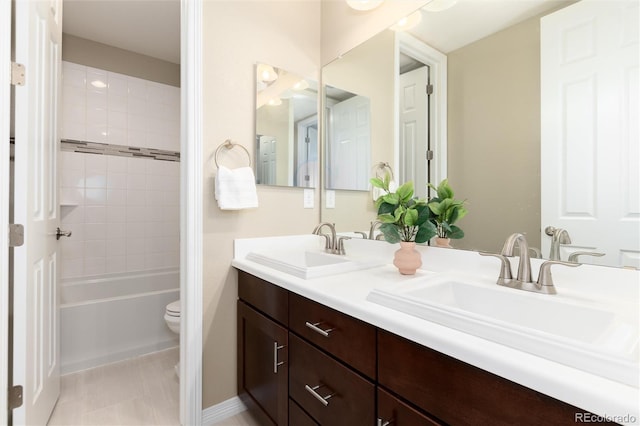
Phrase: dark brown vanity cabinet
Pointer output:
(263, 349)
(301, 363)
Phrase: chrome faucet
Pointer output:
(558, 236)
(372, 230)
(331, 243)
(523, 280)
(524, 265)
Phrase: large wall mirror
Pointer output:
(498, 107)
(286, 128)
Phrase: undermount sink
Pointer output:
(601, 339)
(309, 263)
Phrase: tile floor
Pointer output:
(138, 391)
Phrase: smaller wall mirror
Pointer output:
(286, 128)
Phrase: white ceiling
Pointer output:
(148, 27)
(471, 20)
(152, 27)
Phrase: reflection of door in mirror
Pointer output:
(266, 163)
(348, 143)
(414, 125)
(306, 172)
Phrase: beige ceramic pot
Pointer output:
(407, 259)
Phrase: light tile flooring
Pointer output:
(138, 391)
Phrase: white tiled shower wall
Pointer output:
(123, 212)
(107, 107)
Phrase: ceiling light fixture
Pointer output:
(266, 73)
(408, 22)
(364, 4)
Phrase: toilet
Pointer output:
(172, 318)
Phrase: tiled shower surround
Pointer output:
(124, 214)
(123, 211)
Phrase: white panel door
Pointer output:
(36, 267)
(268, 151)
(350, 144)
(589, 147)
(414, 129)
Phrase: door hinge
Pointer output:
(15, 397)
(429, 89)
(16, 235)
(17, 74)
(429, 155)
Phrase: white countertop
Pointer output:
(347, 292)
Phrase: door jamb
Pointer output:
(437, 62)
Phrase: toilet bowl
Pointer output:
(172, 318)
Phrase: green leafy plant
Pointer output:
(446, 210)
(403, 216)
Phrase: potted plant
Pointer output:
(446, 211)
(405, 220)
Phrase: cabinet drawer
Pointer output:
(330, 392)
(349, 339)
(459, 393)
(264, 296)
(397, 413)
(297, 416)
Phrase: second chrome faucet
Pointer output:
(523, 280)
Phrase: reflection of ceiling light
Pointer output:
(99, 84)
(301, 85)
(266, 73)
(438, 5)
(364, 4)
(408, 22)
(275, 102)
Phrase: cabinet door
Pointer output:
(262, 366)
(393, 412)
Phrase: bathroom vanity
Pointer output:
(318, 352)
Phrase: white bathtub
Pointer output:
(113, 317)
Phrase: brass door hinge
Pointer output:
(17, 74)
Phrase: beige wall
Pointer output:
(90, 53)
(494, 135)
(237, 34)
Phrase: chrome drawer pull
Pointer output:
(322, 399)
(382, 422)
(276, 364)
(317, 329)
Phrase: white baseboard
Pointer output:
(222, 411)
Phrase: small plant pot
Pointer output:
(443, 242)
(407, 259)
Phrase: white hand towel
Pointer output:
(235, 189)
